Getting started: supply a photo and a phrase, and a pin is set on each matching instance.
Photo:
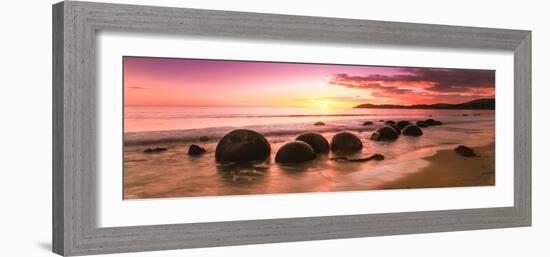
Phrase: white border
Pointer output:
(115, 212)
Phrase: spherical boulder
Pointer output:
(384, 133)
(242, 145)
(465, 151)
(345, 141)
(368, 123)
(195, 150)
(317, 141)
(294, 152)
(319, 123)
(412, 130)
(402, 124)
(421, 124)
(389, 122)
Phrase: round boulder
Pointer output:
(319, 123)
(421, 124)
(242, 145)
(412, 130)
(294, 152)
(345, 141)
(384, 133)
(389, 122)
(195, 150)
(318, 142)
(367, 123)
(402, 124)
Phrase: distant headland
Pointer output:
(478, 104)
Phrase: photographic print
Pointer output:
(201, 127)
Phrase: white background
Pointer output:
(115, 212)
(25, 157)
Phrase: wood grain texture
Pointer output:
(75, 25)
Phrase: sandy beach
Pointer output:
(448, 169)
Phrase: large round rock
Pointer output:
(242, 145)
(412, 130)
(295, 152)
(345, 141)
(384, 133)
(389, 123)
(316, 141)
(397, 130)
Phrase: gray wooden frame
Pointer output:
(75, 25)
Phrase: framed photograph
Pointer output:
(183, 128)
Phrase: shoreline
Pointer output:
(447, 169)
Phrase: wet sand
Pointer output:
(448, 169)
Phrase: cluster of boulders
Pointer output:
(243, 145)
(392, 130)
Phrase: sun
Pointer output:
(324, 104)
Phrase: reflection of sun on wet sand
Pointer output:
(376, 154)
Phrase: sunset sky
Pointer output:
(192, 82)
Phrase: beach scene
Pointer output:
(198, 127)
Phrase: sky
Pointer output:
(218, 83)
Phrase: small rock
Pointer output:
(155, 150)
(465, 151)
(203, 138)
(384, 133)
(195, 150)
(295, 152)
(432, 122)
(317, 141)
(381, 120)
(421, 124)
(319, 123)
(412, 130)
(367, 123)
(242, 145)
(465, 114)
(345, 141)
(376, 156)
(389, 122)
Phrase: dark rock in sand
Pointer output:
(294, 152)
(316, 141)
(381, 120)
(242, 145)
(465, 151)
(367, 123)
(402, 124)
(421, 124)
(389, 122)
(345, 141)
(465, 114)
(203, 138)
(155, 150)
(412, 130)
(195, 150)
(319, 123)
(384, 133)
(396, 129)
(376, 157)
(432, 122)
